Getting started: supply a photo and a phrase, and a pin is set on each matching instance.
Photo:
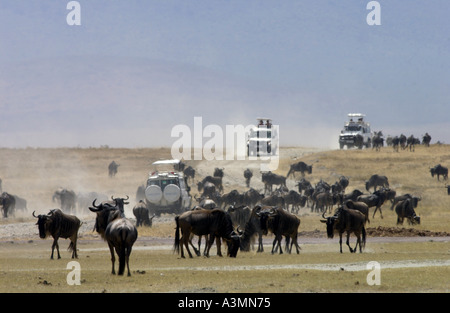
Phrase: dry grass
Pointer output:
(35, 173)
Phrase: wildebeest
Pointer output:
(376, 199)
(218, 172)
(377, 141)
(248, 174)
(8, 203)
(426, 139)
(299, 167)
(349, 221)
(215, 223)
(405, 209)
(59, 225)
(67, 199)
(252, 228)
(280, 223)
(140, 211)
(120, 203)
(119, 233)
(377, 181)
(112, 168)
(189, 172)
(397, 199)
(269, 179)
(217, 181)
(411, 141)
(239, 214)
(439, 170)
(358, 206)
(252, 197)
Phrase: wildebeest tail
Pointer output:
(176, 244)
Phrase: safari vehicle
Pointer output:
(356, 132)
(166, 190)
(263, 139)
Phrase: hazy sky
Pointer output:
(134, 69)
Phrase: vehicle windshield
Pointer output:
(353, 128)
(260, 134)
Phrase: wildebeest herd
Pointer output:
(239, 219)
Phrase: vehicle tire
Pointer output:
(153, 193)
(172, 193)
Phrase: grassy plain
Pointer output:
(35, 173)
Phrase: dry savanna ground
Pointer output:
(415, 264)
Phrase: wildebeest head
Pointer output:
(330, 221)
(233, 243)
(105, 214)
(43, 221)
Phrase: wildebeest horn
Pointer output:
(95, 208)
(128, 197)
(112, 197)
(35, 215)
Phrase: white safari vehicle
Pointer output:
(263, 138)
(356, 132)
(166, 190)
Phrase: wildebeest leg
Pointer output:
(55, 244)
(219, 246)
(197, 251)
(209, 244)
(127, 258)
(260, 244)
(113, 257)
(348, 242)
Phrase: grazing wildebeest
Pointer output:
(295, 199)
(426, 139)
(353, 195)
(67, 199)
(299, 167)
(269, 179)
(59, 225)
(439, 170)
(8, 203)
(252, 228)
(248, 174)
(140, 211)
(280, 223)
(405, 209)
(119, 233)
(397, 199)
(215, 223)
(112, 168)
(349, 221)
(377, 181)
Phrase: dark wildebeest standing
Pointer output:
(426, 139)
(299, 167)
(349, 221)
(140, 211)
(248, 174)
(439, 170)
(112, 168)
(377, 141)
(59, 225)
(280, 223)
(8, 203)
(377, 181)
(269, 179)
(189, 173)
(215, 223)
(119, 233)
(67, 199)
(405, 209)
